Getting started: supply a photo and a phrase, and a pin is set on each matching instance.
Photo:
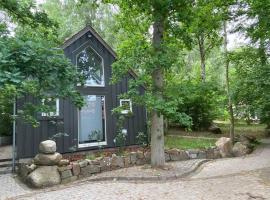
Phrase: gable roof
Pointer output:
(79, 34)
(88, 28)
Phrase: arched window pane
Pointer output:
(90, 64)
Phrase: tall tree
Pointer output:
(205, 27)
(150, 55)
(228, 89)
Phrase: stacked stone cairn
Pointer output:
(43, 171)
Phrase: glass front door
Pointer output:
(92, 122)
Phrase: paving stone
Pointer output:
(105, 163)
(147, 156)
(83, 163)
(64, 168)
(140, 155)
(167, 156)
(133, 157)
(69, 179)
(193, 153)
(66, 174)
(76, 169)
(89, 170)
(141, 161)
(202, 155)
(212, 153)
(126, 161)
(117, 162)
(93, 162)
(177, 155)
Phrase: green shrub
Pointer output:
(203, 102)
(6, 121)
(142, 139)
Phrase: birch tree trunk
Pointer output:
(227, 63)
(157, 125)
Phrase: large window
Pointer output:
(90, 64)
(92, 122)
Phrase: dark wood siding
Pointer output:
(28, 138)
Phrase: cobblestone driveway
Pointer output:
(236, 179)
(241, 186)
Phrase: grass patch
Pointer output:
(188, 143)
(257, 130)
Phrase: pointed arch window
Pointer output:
(90, 64)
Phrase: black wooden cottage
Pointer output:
(93, 125)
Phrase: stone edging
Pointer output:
(86, 168)
(150, 178)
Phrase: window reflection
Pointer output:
(90, 64)
(92, 120)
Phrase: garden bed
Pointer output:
(171, 142)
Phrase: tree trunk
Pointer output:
(166, 126)
(157, 129)
(202, 56)
(227, 63)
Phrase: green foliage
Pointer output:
(142, 139)
(6, 119)
(90, 156)
(202, 102)
(251, 83)
(257, 29)
(120, 138)
(72, 16)
(26, 12)
(30, 66)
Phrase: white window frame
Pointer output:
(93, 144)
(102, 64)
(130, 106)
(52, 114)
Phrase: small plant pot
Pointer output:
(5, 140)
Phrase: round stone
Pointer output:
(44, 176)
(47, 147)
(47, 159)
